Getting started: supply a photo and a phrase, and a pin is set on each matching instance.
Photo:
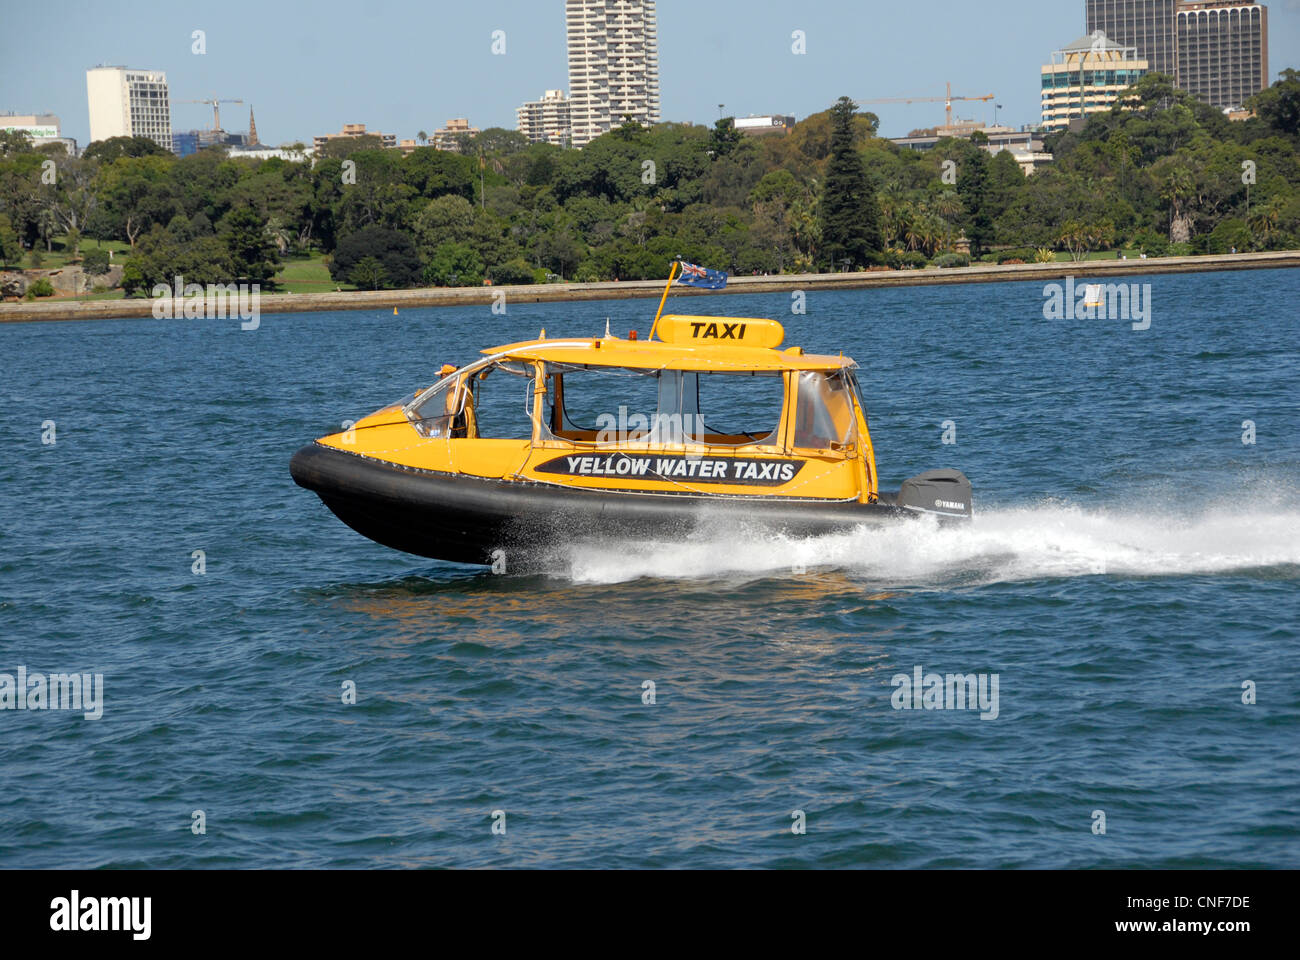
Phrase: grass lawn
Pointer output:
(1062, 256)
(97, 295)
(307, 275)
(62, 253)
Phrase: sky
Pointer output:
(402, 67)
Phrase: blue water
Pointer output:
(1132, 563)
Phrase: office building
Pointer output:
(192, 141)
(613, 65)
(1089, 76)
(1216, 51)
(129, 103)
(42, 128)
(1223, 51)
(548, 120)
(1024, 145)
(1148, 25)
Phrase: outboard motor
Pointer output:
(943, 492)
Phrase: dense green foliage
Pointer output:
(40, 287)
(391, 250)
(850, 214)
(1167, 174)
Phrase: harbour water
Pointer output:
(1132, 578)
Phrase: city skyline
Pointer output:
(440, 64)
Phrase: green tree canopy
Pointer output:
(851, 228)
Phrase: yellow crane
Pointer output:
(216, 109)
(947, 101)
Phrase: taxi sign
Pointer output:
(720, 331)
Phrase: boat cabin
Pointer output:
(713, 406)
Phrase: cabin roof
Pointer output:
(655, 355)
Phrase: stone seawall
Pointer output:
(554, 292)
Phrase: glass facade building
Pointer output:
(1089, 76)
(1223, 51)
(1148, 25)
(1216, 51)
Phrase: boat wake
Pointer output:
(1049, 540)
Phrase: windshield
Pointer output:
(491, 399)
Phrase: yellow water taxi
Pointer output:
(552, 441)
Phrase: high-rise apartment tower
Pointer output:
(613, 65)
(129, 103)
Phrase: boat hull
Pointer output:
(468, 519)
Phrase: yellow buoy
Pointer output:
(394, 311)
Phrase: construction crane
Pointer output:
(216, 109)
(947, 101)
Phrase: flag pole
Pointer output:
(664, 299)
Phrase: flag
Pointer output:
(693, 276)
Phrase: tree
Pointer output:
(437, 173)
(851, 227)
(1279, 105)
(253, 253)
(341, 148)
(95, 261)
(393, 249)
(1081, 237)
(114, 148)
(1178, 189)
(511, 272)
(368, 274)
(494, 140)
(454, 265)
(725, 138)
(75, 196)
(449, 218)
(135, 194)
(558, 251)
(15, 141)
(160, 256)
(975, 192)
(10, 249)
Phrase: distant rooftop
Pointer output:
(1097, 40)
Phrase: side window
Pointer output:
(600, 404)
(503, 402)
(741, 408)
(824, 411)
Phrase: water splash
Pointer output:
(1043, 541)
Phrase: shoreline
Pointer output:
(273, 303)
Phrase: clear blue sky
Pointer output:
(401, 65)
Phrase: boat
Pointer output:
(555, 441)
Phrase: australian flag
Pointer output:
(693, 276)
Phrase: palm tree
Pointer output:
(422, 136)
(278, 234)
(1263, 223)
(948, 205)
(1179, 189)
(909, 226)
